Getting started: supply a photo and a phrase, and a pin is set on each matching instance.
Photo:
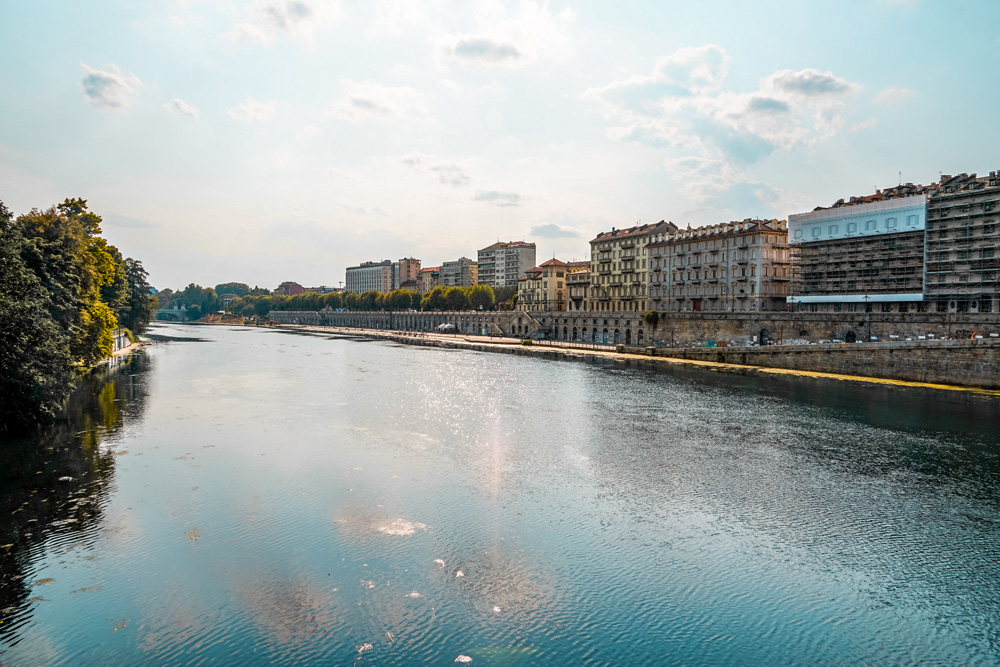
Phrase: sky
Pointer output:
(275, 140)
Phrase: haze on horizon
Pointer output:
(281, 140)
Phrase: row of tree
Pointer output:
(240, 299)
(63, 291)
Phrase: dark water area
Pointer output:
(242, 497)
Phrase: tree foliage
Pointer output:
(481, 297)
(63, 289)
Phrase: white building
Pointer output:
(368, 276)
(503, 263)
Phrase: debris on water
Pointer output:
(357, 468)
(460, 574)
(368, 584)
(439, 562)
(392, 639)
(183, 458)
(414, 594)
(121, 625)
(364, 647)
(6, 546)
(66, 479)
(37, 598)
(63, 522)
(121, 453)
(89, 589)
(402, 527)
(44, 582)
(463, 658)
(496, 609)
(193, 534)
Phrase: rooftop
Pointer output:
(638, 230)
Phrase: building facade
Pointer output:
(577, 286)
(618, 267)
(462, 272)
(731, 267)
(428, 279)
(406, 273)
(502, 264)
(543, 288)
(370, 276)
(289, 288)
(866, 254)
(962, 245)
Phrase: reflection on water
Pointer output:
(300, 500)
(56, 484)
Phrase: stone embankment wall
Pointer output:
(974, 363)
(968, 363)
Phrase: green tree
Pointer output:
(351, 300)
(651, 317)
(367, 300)
(36, 369)
(236, 289)
(334, 300)
(504, 293)
(481, 297)
(399, 299)
(435, 299)
(416, 300)
(141, 304)
(456, 298)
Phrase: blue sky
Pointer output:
(280, 140)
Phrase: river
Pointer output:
(240, 496)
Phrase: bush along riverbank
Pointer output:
(64, 290)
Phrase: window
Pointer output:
(815, 232)
(834, 229)
(911, 221)
(890, 223)
(852, 227)
(798, 235)
(869, 225)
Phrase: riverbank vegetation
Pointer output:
(63, 291)
(240, 299)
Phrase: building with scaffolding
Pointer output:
(863, 254)
(962, 244)
(732, 267)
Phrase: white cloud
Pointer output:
(451, 174)
(529, 33)
(553, 231)
(251, 111)
(181, 107)
(863, 125)
(892, 94)
(710, 134)
(109, 89)
(368, 100)
(267, 21)
(497, 198)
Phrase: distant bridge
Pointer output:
(173, 314)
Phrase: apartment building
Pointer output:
(618, 267)
(962, 245)
(289, 288)
(405, 274)
(428, 279)
(543, 288)
(462, 272)
(370, 276)
(730, 267)
(577, 286)
(864, 254)
(503, 263)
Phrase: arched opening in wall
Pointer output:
(604, 336)
(618, 336)
(565, 333)
(628, 336)
(640, 338)
(575, 336)
(851, 337)
(804, 332)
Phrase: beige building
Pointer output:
(731, 267)
(543, 288)
(619, 267)
(428, 279)
(462, 272)
(406, 273)
(577, 286)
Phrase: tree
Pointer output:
(416, 300)
(351, 300)
(457, 298)
(333, 300)
(35, 364)
(236, 289)
(481, 297)
(504, 293)
(435, 299)
(367, 300)
(651, 317)
(399, 299)
(141, 304)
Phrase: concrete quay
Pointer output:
(958, 365)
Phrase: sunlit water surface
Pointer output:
(257, 497)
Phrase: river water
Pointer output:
(250, 497)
